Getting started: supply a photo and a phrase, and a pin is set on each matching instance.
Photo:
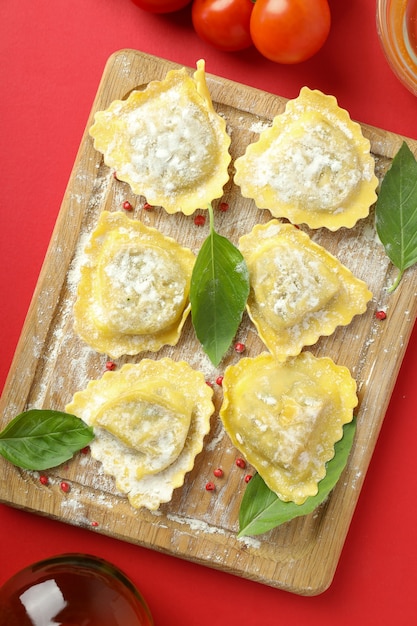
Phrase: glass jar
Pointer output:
(70, 590)
(397, 30)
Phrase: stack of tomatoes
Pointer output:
(284, 31)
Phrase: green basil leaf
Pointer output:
(396, 211)
(218, 293)
(261, 509)
(40, 439)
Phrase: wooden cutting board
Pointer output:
(51, 363)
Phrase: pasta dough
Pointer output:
(149, 421)
(134, 286)
(286, 417)
(167, 142)
(298, 290)
(312, 166)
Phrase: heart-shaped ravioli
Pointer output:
(167, 142)
(134, 287)
(286, 417)
(149, 420)
(312, 166)
(298, 290)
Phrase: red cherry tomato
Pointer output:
(161, 6)
(223, 23)
(289, 31)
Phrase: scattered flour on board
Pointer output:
(258, 126)
(198, 526)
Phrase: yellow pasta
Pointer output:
(149, 420)
(298, 291)
(312, 166)
(167, 142)
(286, 417)
(134, 286)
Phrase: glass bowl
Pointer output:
(397, 29)
(72, 589)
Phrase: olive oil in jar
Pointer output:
(72, 590)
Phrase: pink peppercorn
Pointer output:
(127, 206)
(218, 472)
(239, 347)
(240, 463)
(147, 206)
(223, 206)
(110, 365)
(248, 478)
(65, 487)
(380, 315)
(200, 220)
(219, 380)
(210, 486)
(43, 479)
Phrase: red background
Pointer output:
(52, 57)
